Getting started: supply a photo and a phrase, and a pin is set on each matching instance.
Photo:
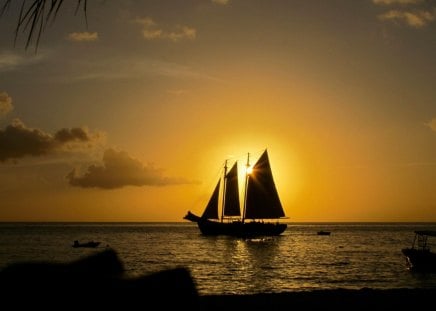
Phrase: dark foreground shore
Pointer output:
(338, 299)
(99, 282)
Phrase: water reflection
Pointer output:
(247, 264)
(353, 256)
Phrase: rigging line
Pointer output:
(218, 175)
(206, 188)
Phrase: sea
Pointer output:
(353, 256)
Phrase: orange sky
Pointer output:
(131, 119)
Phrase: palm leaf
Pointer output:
(34, 16)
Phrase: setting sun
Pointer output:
(264, 154)
(130, 118)
(249, 170)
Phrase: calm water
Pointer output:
(353, 256)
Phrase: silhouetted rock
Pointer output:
(97, 280)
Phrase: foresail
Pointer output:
(211, 210)
(231, 201)
(262, 201)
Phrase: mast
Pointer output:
(245, 187)
(224, 191)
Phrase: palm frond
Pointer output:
(34, 16)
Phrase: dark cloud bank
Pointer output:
(119, 170)
(18, 141)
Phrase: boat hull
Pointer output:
(237, 228)
(240, 229)
(420, 260)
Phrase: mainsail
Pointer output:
(231, 198)
(262, 199)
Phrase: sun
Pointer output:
(249, 170)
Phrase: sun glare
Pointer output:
(249, 170)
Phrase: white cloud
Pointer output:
(151, 34)
(5, 104)
(83, 36)
(417, 15)
(152, 31)
(432, 124)
(182, 32)
(415, 19)
(10, 61)
(146, 21)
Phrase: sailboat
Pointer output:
(261, 202)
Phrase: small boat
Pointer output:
(419, 257)
(261, 202)
(322, 232)
(91, 244)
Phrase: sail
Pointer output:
(211, 210)
(231, 199)
(262, 199)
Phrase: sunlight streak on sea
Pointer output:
(353, 256)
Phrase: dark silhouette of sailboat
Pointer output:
(261, 202)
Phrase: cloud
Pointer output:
(146, 22)
(10, 61)
(178, 92)
(151, 31)
(18, 141)
(119, 169)
(415, 19)
(83, 36)
(183, 32)
(5, 104)
(222, 2)
(417, 15)
(432, 124)
(391, 2)
(118, 68)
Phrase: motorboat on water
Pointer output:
(419, 256)
(91, 244)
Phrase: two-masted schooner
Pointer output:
(261, 202)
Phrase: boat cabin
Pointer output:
(421, 239)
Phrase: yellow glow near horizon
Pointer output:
(174, 115)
